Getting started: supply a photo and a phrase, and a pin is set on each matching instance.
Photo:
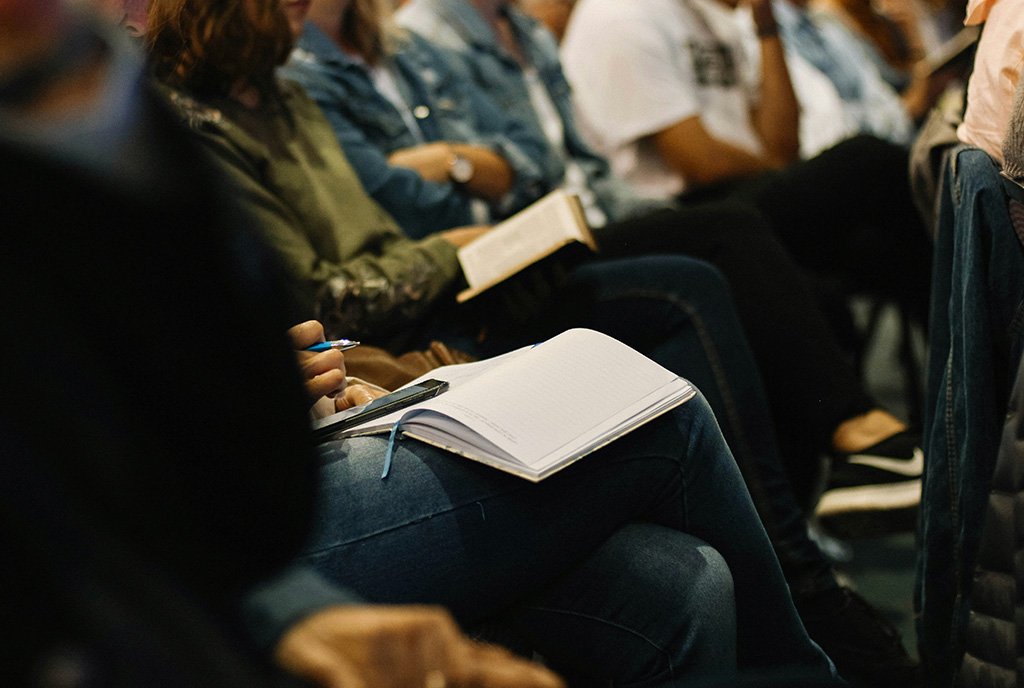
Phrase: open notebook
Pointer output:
(536, 410)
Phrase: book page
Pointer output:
(576, 386)
(523, 239)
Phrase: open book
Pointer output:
(536, 410)
(523, 239)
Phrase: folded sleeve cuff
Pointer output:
(271, 608)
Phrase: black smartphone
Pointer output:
(380, 407)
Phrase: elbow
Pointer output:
(783, 151)
(711, 172)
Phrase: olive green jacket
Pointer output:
(352, 265)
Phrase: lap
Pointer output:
(443, 529)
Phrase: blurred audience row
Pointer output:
(198, 197)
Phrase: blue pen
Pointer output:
(339, 344)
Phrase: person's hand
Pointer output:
(429, 160)
(357, 395)
(323, 372)
(400, 647)
(462, 236)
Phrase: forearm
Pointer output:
(777, 118)
(702, 159)
(492, 175)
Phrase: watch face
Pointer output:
(460, 169)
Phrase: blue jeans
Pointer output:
(617, 568)
(679, 312)
(977, 318)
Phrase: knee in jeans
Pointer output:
(688, 587)
(705, 278)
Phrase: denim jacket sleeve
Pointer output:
(419, 206)
(468, 113)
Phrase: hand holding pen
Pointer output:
(336, 344)
(322, 363)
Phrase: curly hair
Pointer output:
(208, 47)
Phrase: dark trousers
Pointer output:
(845, 215)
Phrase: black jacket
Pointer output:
(994, 657)
(154, 458)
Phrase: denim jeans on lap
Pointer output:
(975, 342)
(446, 530)
(679, 312)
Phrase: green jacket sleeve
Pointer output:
(350, 264)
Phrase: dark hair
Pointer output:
(208, 47)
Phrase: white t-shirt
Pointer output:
(640, 66)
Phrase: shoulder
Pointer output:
(428, 57)
(426, 19)
(639, 22)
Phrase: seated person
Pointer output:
(888, 28)
(146, 486)
(702, 123)
(840, 92)
(869, 102)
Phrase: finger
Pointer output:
(329, 384)
(323, 362)
(306, 334)
(324, 374)
(355, 395)
(489, 666)
(309, 658)
(413, 648)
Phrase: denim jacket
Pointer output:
(976, 338)
(458, 26)
(369, 127)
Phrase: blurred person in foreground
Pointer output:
(147, 484)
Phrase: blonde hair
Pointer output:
(367, 28)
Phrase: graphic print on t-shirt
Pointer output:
(713, 64)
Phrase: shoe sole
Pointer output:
(901, 495)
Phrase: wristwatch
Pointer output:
(460, 169)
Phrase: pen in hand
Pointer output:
(339, 344)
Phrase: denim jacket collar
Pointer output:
(315, 46)
(467, 21)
